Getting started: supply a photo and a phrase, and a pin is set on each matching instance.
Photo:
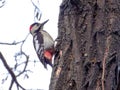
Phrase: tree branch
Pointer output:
(37, 12)
(2, 3)
(15, 43)
(10, 71)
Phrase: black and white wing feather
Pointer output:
(39, 47)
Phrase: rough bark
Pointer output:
(88, 46)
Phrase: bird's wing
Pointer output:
(39, 48)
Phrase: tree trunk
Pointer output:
(88, 45)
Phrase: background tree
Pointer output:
(88, 45)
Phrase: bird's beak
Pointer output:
(44, 22)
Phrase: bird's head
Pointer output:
(36, 27)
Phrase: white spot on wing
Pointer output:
(36, 44)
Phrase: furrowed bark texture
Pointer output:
(88, 46)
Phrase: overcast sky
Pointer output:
(15, 18)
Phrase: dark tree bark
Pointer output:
(88, 45)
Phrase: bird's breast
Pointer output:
(48, 40)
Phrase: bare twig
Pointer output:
(26, 63)
(10, 71)
(24, 41)
(11, 84)
(37, 12)
(15, 43)
(2, 3)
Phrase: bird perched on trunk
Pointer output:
(43, 43)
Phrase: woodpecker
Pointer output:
(43, 43)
